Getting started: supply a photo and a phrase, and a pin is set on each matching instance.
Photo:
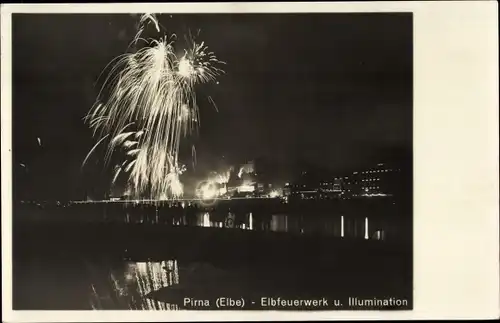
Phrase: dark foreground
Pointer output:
(146, 266)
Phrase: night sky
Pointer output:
(332, 90)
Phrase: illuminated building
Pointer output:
(380, 180)
(377, 181)
(337, 185)
(330, 189)
(253, 178)
(302, 191)
(287, 190)
(246, 188)
(327, 186)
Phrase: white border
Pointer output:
(456, 160)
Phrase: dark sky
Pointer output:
(328, 89)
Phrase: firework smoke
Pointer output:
(222, 177)
(151, 90)
(246, 169)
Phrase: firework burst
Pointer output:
(152, 90)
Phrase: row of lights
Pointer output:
(377, 171)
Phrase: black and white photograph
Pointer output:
(204, 161)
(213, 161)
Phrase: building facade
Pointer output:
(380, 180)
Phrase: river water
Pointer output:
(71, 281)
(165, 285)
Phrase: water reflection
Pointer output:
(130, 287)
(156, 285)
(379, 223)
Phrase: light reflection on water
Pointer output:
(132, 285)
(334, 226)
(338, 226)
(129, 287)
(366, 224)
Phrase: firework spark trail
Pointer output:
(128, 142)
(143, 21)
(152, 89)
(152, 18)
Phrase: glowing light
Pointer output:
(246, 169)
(206, 220)
(208, 191)
(128, 143)
(186, 69)
(366, 229)
(246, 188)
(149, 95)
(274, 194)
(342, 226)
(185, 113)
(148, 277)
(223, 190)
(375, 195)
(222, 177)
(175, 185)
(279, 223)
(379, 235)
